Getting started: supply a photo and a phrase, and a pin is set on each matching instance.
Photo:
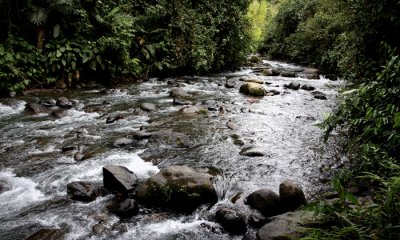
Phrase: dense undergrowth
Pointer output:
(70, 41)
(357, 39)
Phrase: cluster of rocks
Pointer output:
(274, 217)
(177, 187)
(55, 107)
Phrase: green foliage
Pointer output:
(20, 64)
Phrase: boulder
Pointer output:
(64, 102)
(293, 86)
(180, 102)
(291, 195)
(49, 103)
(192, 110)
(285, 227)
(122, 142)
(319, 95)
(308, 87)
(272, 92)
(257, 220)
(148, 107)
(267, 72)
(255, 59)
(252, 89)
(179, 93)
(119, 179)
(141, 135)
(114, 118)
(313, 77)
(232, 220)
(83, 191)
(82, 156)
(253, 152)
(287, 74)
(47, 234)
(311, 71)
(124, 209)
(36, 108)
(265, 201)
(179, 187)
(254, 81)
(331, 77)
(229, 85)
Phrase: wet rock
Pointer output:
(253, 152)
(148, 107)
(47, 234)
(179, 187)
(239, 142)
(59, 113)
(192, 110)
(119, 179)
(125, 209)
(331, 77)
(257, 220)
(98, 229)
(285, 226)
(272, 92)
(292, 85)
(179, 93)
(83, 191)
(254, 81)
(308, 87)
(49, 103)
(169, 139)
(265, 201)
(82, 156)
(122, 142)
(255, 59)
(112, 119)
(139, 135)
(291, 195)
(319, 95)
(181, 102)
(232, 220)
(252, 89)
(267, 72)
(229, 85)
(231, 125)
(311, 71)
(36, 108)
(313, 77)
(64, 102)
(287, 74)
(4, 186)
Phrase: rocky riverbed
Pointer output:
(235, 134)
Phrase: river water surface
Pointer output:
(35, 166)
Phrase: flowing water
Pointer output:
(34, 168)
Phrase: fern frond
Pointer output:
(38, 16)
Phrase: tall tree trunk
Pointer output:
(40, 37)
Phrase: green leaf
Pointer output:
(56, 31)
(58, 54)
(73, 65)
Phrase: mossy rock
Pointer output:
(178, 187)
(252, 89)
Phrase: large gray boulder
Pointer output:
(291, 195)
(252, 89)
(285, 227)
(119, 180)
(179, 187)
(265, 201)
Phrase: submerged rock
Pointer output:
(287, 74)
(252, 89)
(319, 95)
(124, 209)
(64, 102)
(253, 152)
(180, 102)
(114, 118)
(47, 234)
(192, 110)
(179, 187)
(119, 179)
(148, 107)
(293, 86)
(232, 220)
(285, 226)
(265, 201)
(291, 195)
(308, 87)
(36, 108)
(122, 142)
(178, 93)
(83, 191)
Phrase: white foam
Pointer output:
(22, 193)
(6, 110)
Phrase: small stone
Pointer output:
(293, 86)
(308, 87)
(148, 107)
(112, 119)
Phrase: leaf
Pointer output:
(73, 65)
(56, 31)
(62, 49)
(58, 54)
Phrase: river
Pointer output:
(36, 166)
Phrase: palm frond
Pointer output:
(38, 16)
